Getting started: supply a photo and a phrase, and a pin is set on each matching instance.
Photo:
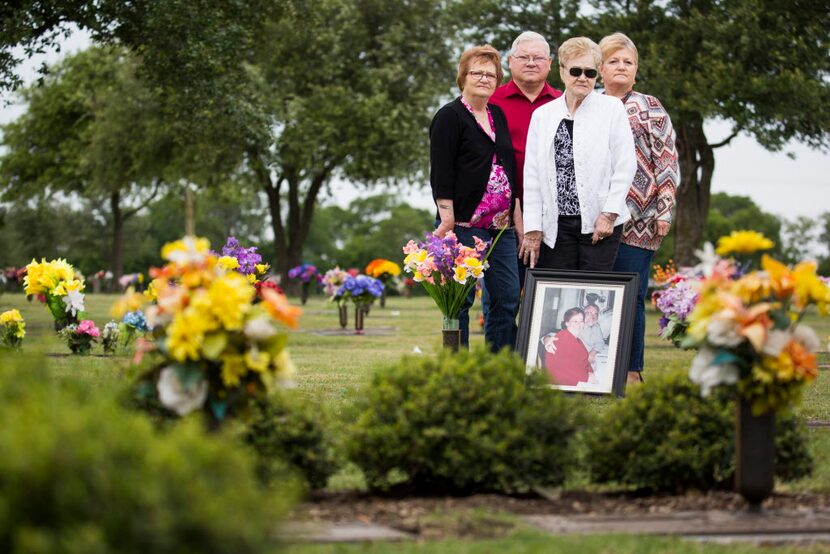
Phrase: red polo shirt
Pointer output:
(518, 108)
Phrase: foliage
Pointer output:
(287, 428)
(728, 212)
(80, 474)
(666, 437)
(463, 423)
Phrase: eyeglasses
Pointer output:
(526, 60)
(578, 71)
(481, 75)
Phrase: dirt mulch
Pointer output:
(414, 514)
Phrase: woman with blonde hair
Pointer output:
(651, 194)
(473, 179)
(579, 165)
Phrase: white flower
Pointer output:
(708, 260)
(259, 329)
(74, 301)
(709, 375)
(806, 336)
(776, 341)
(724, 332)
(191, 253)
(179, 397)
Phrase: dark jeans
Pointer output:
(485, 296)
(501, 280)
(631, 259)
(573, 249)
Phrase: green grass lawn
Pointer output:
(332, 368)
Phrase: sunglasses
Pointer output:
(578, 71)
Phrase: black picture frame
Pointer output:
(548, 294)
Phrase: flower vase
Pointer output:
(451, 333)
(343, 311)
(754, 454)
(359, 314)
(304, 292)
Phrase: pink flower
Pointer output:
(88, 327)
(411, 247)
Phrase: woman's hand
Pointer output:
(529, 252)
(663, 228)
(442, 229)
(447, 215)
(603, 227)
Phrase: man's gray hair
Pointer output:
(530, 36)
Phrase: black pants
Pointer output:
(573, 249)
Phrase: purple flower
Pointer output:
(248, 258)
(304, 272)
(360, 288)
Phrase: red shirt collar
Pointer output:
(512, 89)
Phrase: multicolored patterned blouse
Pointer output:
(651, 196)
(493, 212)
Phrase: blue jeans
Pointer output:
(631, 259)
(502, 283)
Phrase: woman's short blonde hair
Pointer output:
(576, 47)
(617, 41)
(476, 54)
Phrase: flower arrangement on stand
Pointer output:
(12, 329)
(332, 280)
(214, 346)
(109, 337)
(59, 286)
(385, 271)
(307, 274)
(675, 298)
(448, 271)
(747, 327)
(362, 290)
(81, 336)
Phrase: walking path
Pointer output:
(770, 527)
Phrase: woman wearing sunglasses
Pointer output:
(579, 165)
(651, 196)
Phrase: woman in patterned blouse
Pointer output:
(651, 196)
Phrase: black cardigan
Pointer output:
(461, 156)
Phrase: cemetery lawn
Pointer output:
(333, 366)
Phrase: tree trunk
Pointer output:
(117, 247)
(697, 162)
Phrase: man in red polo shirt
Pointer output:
(529, 63)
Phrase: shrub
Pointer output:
(79, 474)
(664, 436)
(285, 428)
(463, 423)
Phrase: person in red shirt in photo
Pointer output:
(528, 89)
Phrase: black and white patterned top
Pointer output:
(563, 152)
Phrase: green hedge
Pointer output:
(665, 437)
(78, 473)
(463, 423)
(285, 428)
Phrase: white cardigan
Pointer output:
(604, 162)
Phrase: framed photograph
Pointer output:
(576, 326)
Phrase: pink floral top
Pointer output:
(493, 212)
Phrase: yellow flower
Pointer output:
(262, 268)
(743, 242)
(228, 263)
(475, 266)
(129, 302)
(251, 278)
(460, 274)
(185, 335)
(151, 294)
(186, 251)
(10, 316)
(707, 306)
(233, 369)
(809, 288)
(230, 299)
(257, 361)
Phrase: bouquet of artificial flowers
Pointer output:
(332, 280)
(748, 329)
(79, 337)
(383, 269)
(304, 272)
(362, 290)
(214, 346)
(59, 286)
(447, 269)
(246, 261)
(109, 337)
(12, 329)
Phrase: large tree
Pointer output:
(93, 131)
(761, 65)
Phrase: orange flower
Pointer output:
(277, 305)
